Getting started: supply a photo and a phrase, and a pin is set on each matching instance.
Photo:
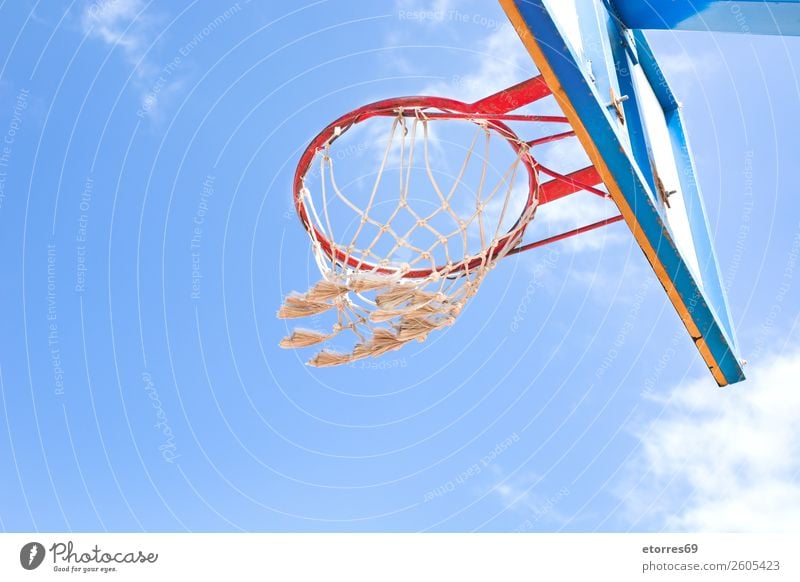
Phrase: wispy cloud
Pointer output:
(427, 6)
(127, 26)
(120, 23)
(501, 62)
(526, 496)
(580, 210)
(723, 460)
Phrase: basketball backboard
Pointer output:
(610, 87)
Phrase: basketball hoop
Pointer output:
(401, 261)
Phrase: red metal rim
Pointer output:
(389, 106)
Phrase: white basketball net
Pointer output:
(371, 277)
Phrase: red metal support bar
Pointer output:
(585, 179)
(550, 138)
(568, 234)
(473, 116)
(514, 97)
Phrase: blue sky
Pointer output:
(149, 237)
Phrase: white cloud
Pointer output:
(724, 460)
(127, 26)
(525, 495)
(436, 8)
(578, 210)
(118, 23)
(503, 62)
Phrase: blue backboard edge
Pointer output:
(698, 217)
(628, 187)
